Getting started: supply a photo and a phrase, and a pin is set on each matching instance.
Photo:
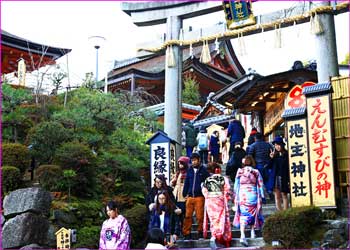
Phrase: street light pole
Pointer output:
(96, 47)
(97, 42)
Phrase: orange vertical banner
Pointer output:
(320, 144)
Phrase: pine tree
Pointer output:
(190, 93)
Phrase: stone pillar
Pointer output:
(173, 87)
(326, 48)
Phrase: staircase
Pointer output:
(255, 243)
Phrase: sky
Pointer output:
(69, 24)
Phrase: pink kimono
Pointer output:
(115, 234)
(216, 191)
(248, 193)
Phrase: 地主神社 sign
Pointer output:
(238, 13)
(298, 163)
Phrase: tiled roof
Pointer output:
(128, 61)
(317, 88)
(294, 112)
(209, 102)
(213, 120)
(158, 109)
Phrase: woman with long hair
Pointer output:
(163, 216)
(248, 197)
(159, 186)
(178, 183)
(279, 180)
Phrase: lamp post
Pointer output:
(97, 41)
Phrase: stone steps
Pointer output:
(205, 243)
(256, 243)
(236, 233)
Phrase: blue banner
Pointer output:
(238, 13)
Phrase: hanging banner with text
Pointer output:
(21, 73)
(238, 13)
(172, 161)
(163, 161)
(298, 163)
(320, 149)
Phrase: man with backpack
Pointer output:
(203, 145)
(191, 135)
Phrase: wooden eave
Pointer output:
(34, 54)
(244, 95)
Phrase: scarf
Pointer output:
(183, 172)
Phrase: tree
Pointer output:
(45, 138)
(57, 79)
(14, 111)
(190, 93)
(89, 81)
(346, 60)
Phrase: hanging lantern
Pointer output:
(170, 58)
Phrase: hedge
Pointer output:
(17, 155)
(292, 227)
(11, 178)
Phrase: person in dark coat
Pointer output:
(279, 178)
(159, 186)
(214, 146)
(165, 217)
(192, 191)
(251, 138)
(260, 150)
(236, 133)
(235, 161)
(191, 138)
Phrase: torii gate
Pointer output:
(173, 13)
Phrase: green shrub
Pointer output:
(17, 155)
(78, 157)
(45, 138)
(89, 209)
(11, 178)
(88, 237)
(292, 227)
(49, 177)
(137, 219)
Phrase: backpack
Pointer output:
(203, 141)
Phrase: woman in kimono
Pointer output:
(115, 232)
(216, 191)
(248, 197)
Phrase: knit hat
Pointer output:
(278, 140)
(184, 160)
